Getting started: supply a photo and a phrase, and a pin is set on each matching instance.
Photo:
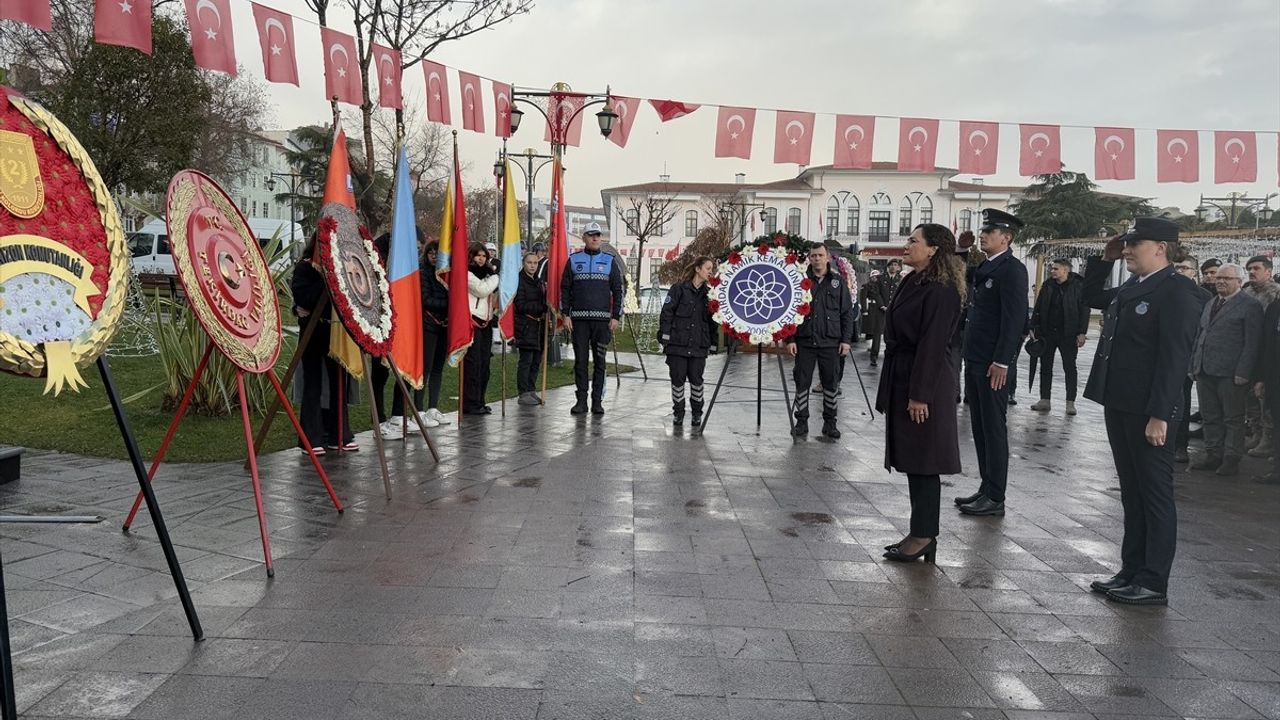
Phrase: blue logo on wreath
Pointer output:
(760, 294)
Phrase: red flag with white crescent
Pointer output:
(1041, 150)
(472, 102)
(502, 109)
(389, 77)
(211, 42)
(564, 119)
(917, 144)
(1113, 153)
(669, 110)
(341, 67)
(1235, 157)
(275, 35)
(626, 108)
(793, 137)
(1177, 156)
(437, 92)
(734, 130)
(121, 22)
(979, 145)
(855, 134)
(35, 13)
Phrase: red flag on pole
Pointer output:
(502, 109)
(1113, 153)
(626, 108)
(979, 146)
(389, 77)
(855, 135)
(1235, 157)
(35, 13)
(460, 331)
(669, 110)
(341, 67)
(472, 102)
(558, 242)
(734, 130)
(437, 92)
(564, 121)
(211, 40)
(121, 22)
(917, 144)
(1177, 156)
(1041, 150)
(793, 137)
(275, 35)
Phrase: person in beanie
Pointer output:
(686, 331)
(821, 339)
(530, 304)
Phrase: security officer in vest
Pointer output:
(823, 338)
(591, 303)
(993, 337)
(1144, 353)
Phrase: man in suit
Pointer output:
(994, 329)
(1267, 378)
(1186, 267)
(1142, 358)
(1222, 363)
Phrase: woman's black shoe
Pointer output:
(927, 552)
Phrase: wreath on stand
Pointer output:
(761, 290)
(357, 282)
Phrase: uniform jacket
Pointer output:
(918, 328)
(591, 288)
(1075, 310)
(1267, 368)
(880, 292)
(530, 305)
(830, 318)
(435, 299)
(480, 290)
(997, 315)
(1145, 350)
(1227, 345)
(685, 326)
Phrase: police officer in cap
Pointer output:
(993, 336)
(591, 303)
(822, 339)
(1148, 330)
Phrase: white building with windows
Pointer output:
(869, 211)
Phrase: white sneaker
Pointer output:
(427, 420)
(391, 429)
(1071, 407)
(438, 416)
(1041, 406)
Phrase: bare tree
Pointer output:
(236, 111)
(647, 216)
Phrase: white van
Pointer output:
(149, 247)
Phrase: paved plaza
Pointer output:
(561, 568)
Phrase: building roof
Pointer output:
(880, 167)
(959, 186)
(711, 188)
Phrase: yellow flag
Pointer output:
(343, 348)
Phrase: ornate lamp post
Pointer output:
(739, 211)
(554, 106)
(1231, 205)
(295, 180)
(530, 175)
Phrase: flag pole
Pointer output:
(546, 325)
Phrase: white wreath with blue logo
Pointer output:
(761, 294)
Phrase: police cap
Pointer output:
(999, 219)
(1151, 228)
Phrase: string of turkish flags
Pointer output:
(128, 23)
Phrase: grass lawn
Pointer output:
(82, 422)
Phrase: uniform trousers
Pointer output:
(926, 493)
(828, 360)
(683, 370)
(590, 343)
(1184, 424)
(1146, 494)
(988, 411)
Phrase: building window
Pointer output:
(793, 221)
(926, 209)
(833, 218)
(966, 220)
(878, 225)
(254, 211)
(691, 223)
(770, 221)
(904, 217)
(631, 219)
(655, 266)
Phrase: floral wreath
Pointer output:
(372, 334)
(787, 255)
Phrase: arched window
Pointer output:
(966, 220)
(878, 217)
(851, 215)
(833, 217)
(691, 223)
(926, 209)
(631, 218)
(770, 221)
(904, 217)
(793, 221)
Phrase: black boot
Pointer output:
(801, 428)
(677, 403)
(597, 406)
(697, 414)
(580, 408)
(677, 413)
(830, 430)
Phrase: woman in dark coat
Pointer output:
(435, 320)
(918, 383)
(686, 331)
(530, 304)
(318, 410)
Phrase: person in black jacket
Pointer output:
(1061, 319)
(822, 339)
(879, 295)
(435, 321)
(1143, 356)
(1186, 267)
(319, 411)
(1267, 378)
(530, 305)
(686, 331)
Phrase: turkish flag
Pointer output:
(211, 41)
(389, 77)
(734, 130)
(341, 67)
(563, 119)
(917, 144)
(275, 35)
(502, 109)
(121, 22)
(35, 13)
(855, 136)
(437, 92)
(1113, 153)
(1041, 150)
(626, 108)
(669, 110)
(1177, 156)
(979, 146)
(1235, 157)
(793, 137)
(472, 102)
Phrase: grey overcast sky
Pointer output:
(1177, 64)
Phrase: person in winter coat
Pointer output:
(918, 383)
(530, 304)
(482, 283)
(686, 332)
(1061, 319)
(821, 339)
(879, 295)
(435, 320)
(319, 411)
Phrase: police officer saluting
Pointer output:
(591, 302)
(993, 336)
(1144, 353)
(822, 339)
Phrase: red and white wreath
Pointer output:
(357, 281)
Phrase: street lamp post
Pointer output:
(730, 211)
(295, 180)
(530, 177)
(1235, 203)
(559, 125)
